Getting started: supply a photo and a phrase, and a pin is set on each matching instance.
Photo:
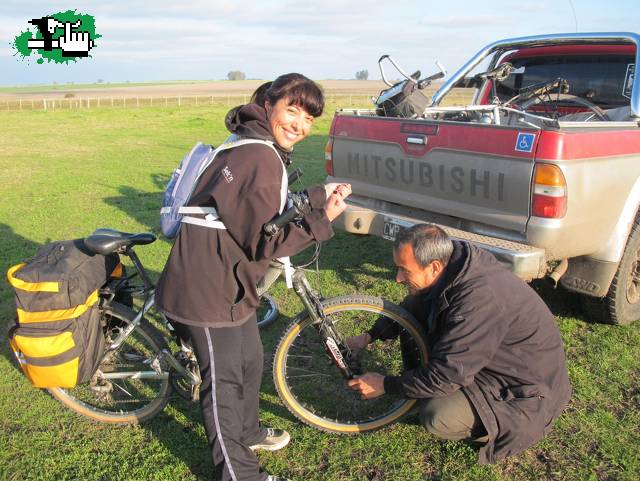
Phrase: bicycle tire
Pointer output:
(93, 402)
(324, 396)
(557, 98)
(268, 311)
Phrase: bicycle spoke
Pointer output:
(124, 381)
(122, 389)
(306, 370)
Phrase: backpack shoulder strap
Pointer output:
(235, 141)
(212, 219)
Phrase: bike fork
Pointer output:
(332, 348)
(330, 339)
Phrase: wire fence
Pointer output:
(50, 104)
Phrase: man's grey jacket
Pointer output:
(492, 336)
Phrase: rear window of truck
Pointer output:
(601, 79)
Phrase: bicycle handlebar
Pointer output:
(300, 206)
(540, 89)
(295, 175)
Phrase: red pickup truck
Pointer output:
(542, 167)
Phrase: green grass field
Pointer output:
(64, 173)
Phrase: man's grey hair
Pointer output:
(429, 243)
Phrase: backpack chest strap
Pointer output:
(209, 221)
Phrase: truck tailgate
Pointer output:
(470, 171)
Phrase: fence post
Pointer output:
(44, 103)
(137, 101)
(20, 104)
(212, 100)
(178, 101)
(151, 102)
(196, 100)
(166, 102)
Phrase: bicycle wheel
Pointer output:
(267, 312)
(131, 383)
(312, 388)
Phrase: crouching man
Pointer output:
(496, 372)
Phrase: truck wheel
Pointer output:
(621, 305)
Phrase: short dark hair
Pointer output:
(429, 243)
(300, 91)
(260, 95)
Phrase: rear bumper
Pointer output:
(525, 261)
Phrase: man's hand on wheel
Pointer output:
(370, 385)
(358, 343)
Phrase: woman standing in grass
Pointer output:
(207, 288)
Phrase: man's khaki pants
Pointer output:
(452, 417)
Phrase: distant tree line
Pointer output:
(362, 75)
(236, 75)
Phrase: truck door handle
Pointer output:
(419, 140)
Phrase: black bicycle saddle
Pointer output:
(106, 241)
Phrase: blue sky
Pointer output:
(167, 40)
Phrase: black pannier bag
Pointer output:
(404, 100)
(58, 338)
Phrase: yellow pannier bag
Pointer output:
(47, 360)
(58, 338)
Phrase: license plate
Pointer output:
(392, 227)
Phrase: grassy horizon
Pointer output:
(39, 88)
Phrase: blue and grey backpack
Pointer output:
(174, 210)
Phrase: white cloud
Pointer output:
(329, 39)
(452, 22)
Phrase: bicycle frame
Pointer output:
(148, 293)
(311, 300)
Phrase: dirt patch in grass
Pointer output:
(219, 88)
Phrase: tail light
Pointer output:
(549, 198)
(328, 157)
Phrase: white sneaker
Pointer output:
(276, 439)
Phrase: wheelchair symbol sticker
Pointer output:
(524, 143)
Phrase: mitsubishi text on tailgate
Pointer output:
(542, 168)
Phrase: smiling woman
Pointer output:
(207, 288)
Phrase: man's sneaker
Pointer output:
(276, 478)
(276, 439)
